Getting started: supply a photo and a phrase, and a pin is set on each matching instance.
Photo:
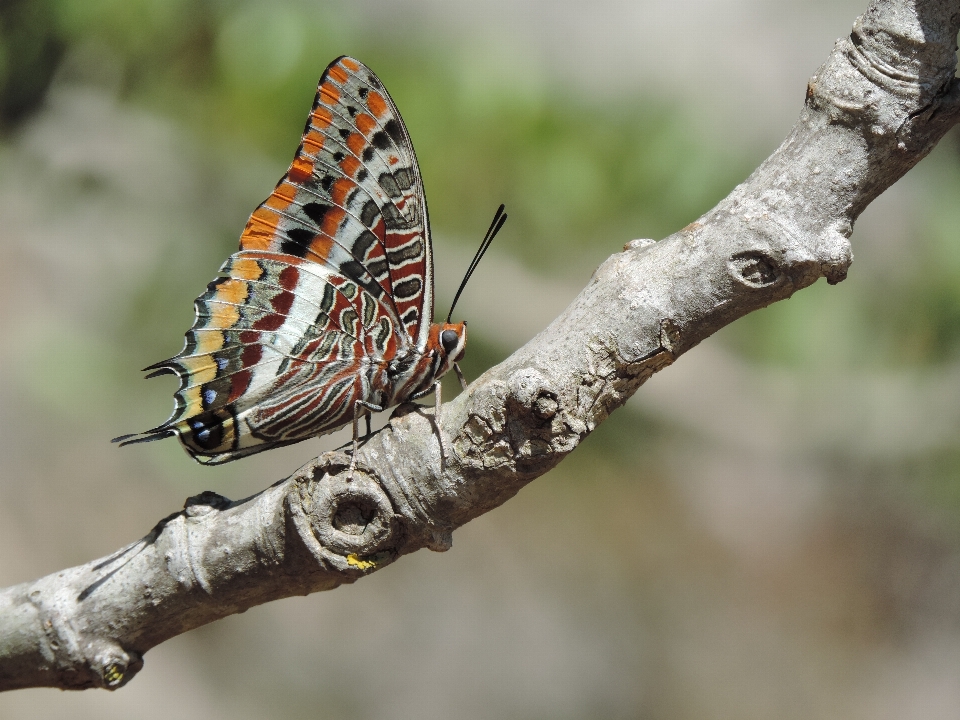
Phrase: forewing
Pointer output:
(353, 198)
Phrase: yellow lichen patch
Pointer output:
(112, 674)
(356, 562)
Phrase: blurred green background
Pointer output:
(768, 529)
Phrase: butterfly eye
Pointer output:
(449, 339)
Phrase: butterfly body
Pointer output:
(325, 313)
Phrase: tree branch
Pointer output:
(880, 103)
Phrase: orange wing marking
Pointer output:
(301, 169)
(329, 94)
(339, 191)
(331, 222)
(321, 246)
(365, 123)
(312, 142)
(350, 165)
(376, 103)
(232, 291)
(338, 74)
(321, 118)
(260, 230)
(246, 269)
(356, 142)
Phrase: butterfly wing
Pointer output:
(333, 280)
(353, 195)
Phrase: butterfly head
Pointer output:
(449, 343)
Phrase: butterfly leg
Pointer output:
(435, 389)
(460, 377)
(358, 408)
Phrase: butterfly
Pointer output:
(325, 314)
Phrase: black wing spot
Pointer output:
(362, 244)
(361, 276)
(352, 110)
(362, 175)
(367, 154)
(326, 303)
(389, 185)
(301, 235)
(298, 242)
(369, 213)
(207, 431)
(289, 247)
(381, 140)
(345, 133)
(391, 216)
(378, 268)
(407, 288)
(404, 178)
(393, 130)
(363, 93)
(316, 211)
(327, 181)
(213, 284)
(338, 156)
(411, 251)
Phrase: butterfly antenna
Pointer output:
(498, 220)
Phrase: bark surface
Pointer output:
(880, 103)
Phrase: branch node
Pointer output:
(837, 253)
(527, 385)
(670, 336)
(439, 539)
(755, 269)
(205, 503)
(348, 525)
(112, 664)
(639, 244)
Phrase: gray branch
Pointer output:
(880, 103)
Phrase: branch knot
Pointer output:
(347, 524)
